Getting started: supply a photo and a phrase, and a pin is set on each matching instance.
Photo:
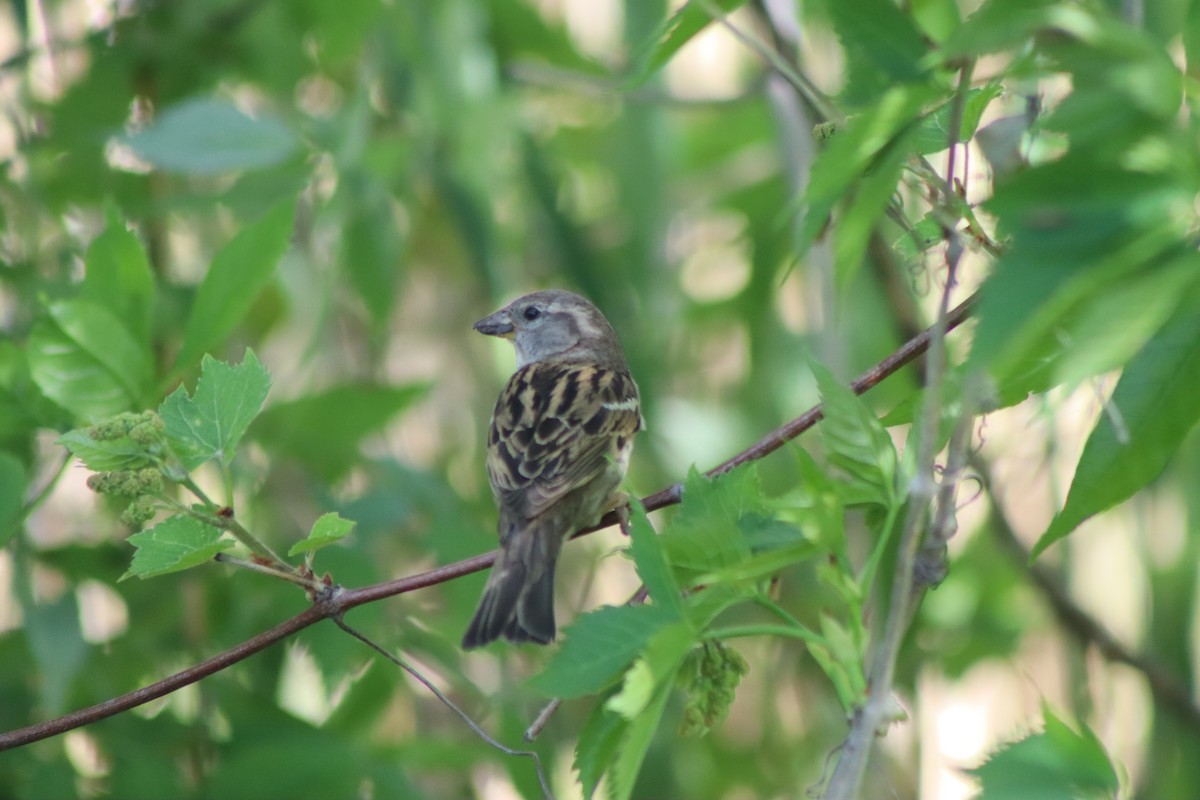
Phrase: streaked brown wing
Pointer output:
(555, 428)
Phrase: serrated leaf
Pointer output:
(652, 566)
(597, 744)
(210, 424)
(84, 359)
(855, 441)
(202, 136)
(655, 669)
(328, 528)
(174, 544)
(933, 134)
(1156, 403)
(107, 455)
(598, 646)
(13, 482)
(632, 750)
(1058, 764)
(680, 28)
(705, 535)
(234, 280)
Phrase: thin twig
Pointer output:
(873, 717)
(330, 604)
(446, 701)
(1171, 693)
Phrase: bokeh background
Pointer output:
(445, 157)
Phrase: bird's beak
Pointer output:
(498, 324)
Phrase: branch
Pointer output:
(1169, 691)
(877, 711)
(335, 603)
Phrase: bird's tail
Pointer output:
(518, 601)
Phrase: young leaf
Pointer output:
(201, 136)
(1156, 403)
(652, 566)
(598, 742)
(855, 441)
(1057, 764)
(104, 455)
(175, 544)
(655, 669)
(84, 359)
(237, 274)
(704, 535)
(632, 751)
(598, 646)
(933, 134)
(328, 528)
(210, 424)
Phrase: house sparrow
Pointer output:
(558, 446)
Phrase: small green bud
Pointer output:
(149, 480)
(139, 512)
(108, 430)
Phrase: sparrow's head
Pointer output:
(555, 325)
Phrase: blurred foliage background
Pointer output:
(375, 176)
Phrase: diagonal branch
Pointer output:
(335, 603)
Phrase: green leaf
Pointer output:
(854, 150)
(652, 566)
(598, 646)
(655, 669)
(632, 750)
(679, 29)
(57, 642)
(864, 210)
(324, 431)
(237, 274)
(118, 278)
(879, 34)
(598, 742)
(202, 136)
(106, 455)
(855, 441)
(13, 485)
(1155, 401)
(372, 247)
(1057, 764)
(704, 536)
(177, 543)
(84, 359)
(210, 424)
(999, 24)
(328, 528)
(933, 133)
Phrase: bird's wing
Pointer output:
(555, 428)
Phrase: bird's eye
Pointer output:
(532, 313)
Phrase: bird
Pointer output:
(558, 447)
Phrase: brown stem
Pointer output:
(337, 601)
